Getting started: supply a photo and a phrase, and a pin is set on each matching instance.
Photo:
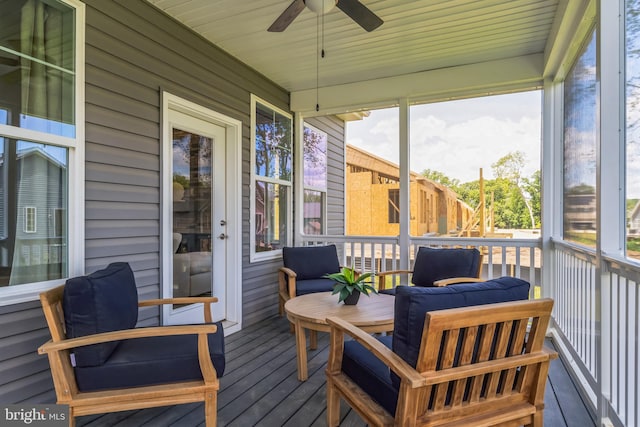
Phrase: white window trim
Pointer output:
(275, 254)
(30, 292)
(300, 164)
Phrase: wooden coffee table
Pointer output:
(373, 313)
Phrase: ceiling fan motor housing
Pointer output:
(320, 7)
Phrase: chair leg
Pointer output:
(280, 306)
(210, 408)
(333, 405)
(537, 420)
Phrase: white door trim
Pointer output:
(233, 155)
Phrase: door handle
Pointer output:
(223, 236)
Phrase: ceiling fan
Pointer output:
(353, 8)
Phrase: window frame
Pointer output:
(256, 256)
(10, 295)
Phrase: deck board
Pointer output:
(260, 388)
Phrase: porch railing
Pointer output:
(600, 346)
(513, 257)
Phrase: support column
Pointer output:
(405, 211)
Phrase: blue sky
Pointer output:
(458, 137)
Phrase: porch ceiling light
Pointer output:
(320, 7)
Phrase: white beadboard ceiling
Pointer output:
(417, 36)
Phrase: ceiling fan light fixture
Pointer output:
(320, 7)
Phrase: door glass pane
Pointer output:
(192, 200)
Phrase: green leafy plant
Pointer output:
(347, 282)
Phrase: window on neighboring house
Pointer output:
(314, 150)
(272, 173)
(394, 206)
(41, 77)
(58, 221)
(632, 29)
(30, 214)
(580, 148)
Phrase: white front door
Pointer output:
(198, 216)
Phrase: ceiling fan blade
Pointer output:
(360, 13)
(287, 16)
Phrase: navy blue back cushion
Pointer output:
(311, 262)
(433, 264)
(104, 301)
(412, 304)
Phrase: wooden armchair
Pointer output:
(439, 267)
(477, 366)
(303, 271)
(117, 367)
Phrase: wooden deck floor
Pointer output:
(260, 388)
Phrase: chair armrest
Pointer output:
(490, 366)
(154, 331)
(287, 282)
(406, 373)
(181, 300)
(454, 280)
(388, 273)
(382, 276)
(207, 301)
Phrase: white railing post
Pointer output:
(610, 170)
(405, 232)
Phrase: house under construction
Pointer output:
(373, 200)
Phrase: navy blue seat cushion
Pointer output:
(152, 360)
(311, 262)
(412, 303)
(370, 373)
(311, 286)
(432, 264)
(103, 301)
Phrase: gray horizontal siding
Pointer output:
(133, 52)
(24, 374)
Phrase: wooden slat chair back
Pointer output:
(59, 348)
(478, 366)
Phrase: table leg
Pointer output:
(301, 352)
(313, 339)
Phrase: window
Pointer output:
(272, 179)
(633, 127)
(394, 206)
(30, 214)
(58, 221)
(41, 105)
(580, 149)
(315, 180)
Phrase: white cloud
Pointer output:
(458, 138)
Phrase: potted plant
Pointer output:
(350, 285)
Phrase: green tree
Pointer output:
(510, 168)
